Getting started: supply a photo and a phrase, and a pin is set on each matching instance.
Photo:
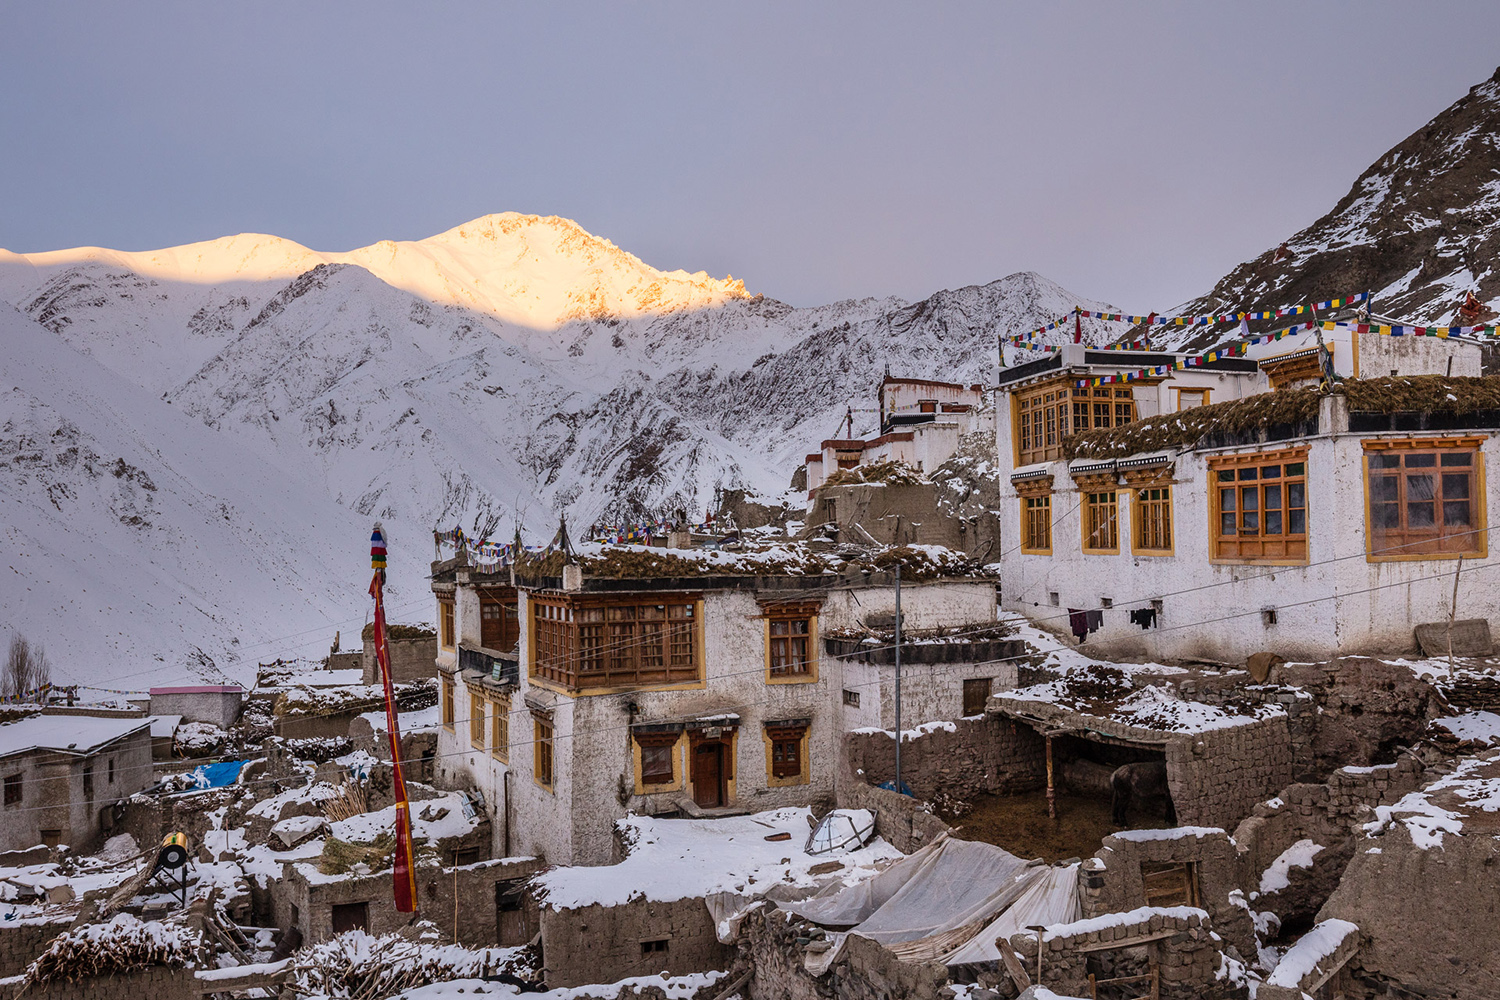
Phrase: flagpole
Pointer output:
(403, 867)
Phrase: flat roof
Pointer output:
(79, 734)
(198, 689)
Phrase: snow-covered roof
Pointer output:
(78, 734)
(673, 859)
(164, 726)
(1467, 798)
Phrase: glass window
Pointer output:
(1262, 507)
(1423, 502)
(1101, 531)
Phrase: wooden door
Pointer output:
(512, 923)
(708, 774)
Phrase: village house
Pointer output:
(682, 683)
(921, 422)
(61, 773)
(1339, 516)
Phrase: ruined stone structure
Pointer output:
(638, 938)
(961, 759)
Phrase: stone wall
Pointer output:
(157, 983)
(21, 943)
(903, 821)
(1218, 776)
(305, 899)
(591, 944)
(1178, 944)
(774, 943)
(411, 660)
(1111, 881)
(959, 759)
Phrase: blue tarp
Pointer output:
(217, 775)
(890, 786)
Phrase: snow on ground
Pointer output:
(448, 815)
(672, 987)
(1278, 875)
(673, 859)
(1171, 833)
(1431, 812)
(1481, 726)
(422, 720)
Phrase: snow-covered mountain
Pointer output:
(1419, 229)
(496, 375)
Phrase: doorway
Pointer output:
(708, 774)
(512, 921)
(351, 917)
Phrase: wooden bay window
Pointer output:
(1260, 507)
(499, 627)
(1425, 499)
(604, 642)
(1048, 413)
(791, 641)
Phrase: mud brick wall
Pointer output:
(1217, 777)
(983, 755)
(1187, 957)
(1323, 813)
(1111, 880)
(1472, 691)
(411, 660)
(903, 821)
(21, 943)
(156, 983)
(589, 944)
(865, 970)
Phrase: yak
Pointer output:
(1142, 783)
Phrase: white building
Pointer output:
(921, 423)
(697, 696)
(1307, 523)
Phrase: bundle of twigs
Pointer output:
(122, 945)
(339, 856)
(351, 801)
(356, 966)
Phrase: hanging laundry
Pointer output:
(1078, 623)
(1144, 617)
(1096, 620)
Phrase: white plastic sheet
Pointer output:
(1050, 899)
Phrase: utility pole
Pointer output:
(898, 676)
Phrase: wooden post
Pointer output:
(1453, 608)
(1051, 786)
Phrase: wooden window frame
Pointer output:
(1093, 517)
(1286, 548)
(476, 719)
(1036, 513)
(1153, 871)
(1142, 506)
(1205, 391)
(500, 728)
(968, 687)
(1405, 551)
(778, 615)
(1045, 414)
(543, 751)
(851, 698)
(602, 644)
(778, 737)
(16, 782)
(446, 694)
(499, 605)
(673, 742)
(447, 624)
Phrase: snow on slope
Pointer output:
(495, 375)
(140, 547)
(1418, 229)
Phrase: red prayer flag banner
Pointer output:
(403, 872)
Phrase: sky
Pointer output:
(1131, 152)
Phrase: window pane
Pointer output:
(1455, 485)
(1249, 498)
(1270, 472)
(1456, 513)
(1296, 495)
(1226, 523)
(1419, 488)
(1384, 489)
(1421, 460)
(1420, 514)
(1273, 498)
(1226, 500)
(1385, 515)
(1384, 460)
(1273, 522)
(1457, 458)
(1250, 523)
(1297, 522)
(1226, 475)
(1248, 473)
(1295, 468)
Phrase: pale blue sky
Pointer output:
(1133, 152)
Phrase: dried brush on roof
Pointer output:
(121, 945)
(340, 856)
